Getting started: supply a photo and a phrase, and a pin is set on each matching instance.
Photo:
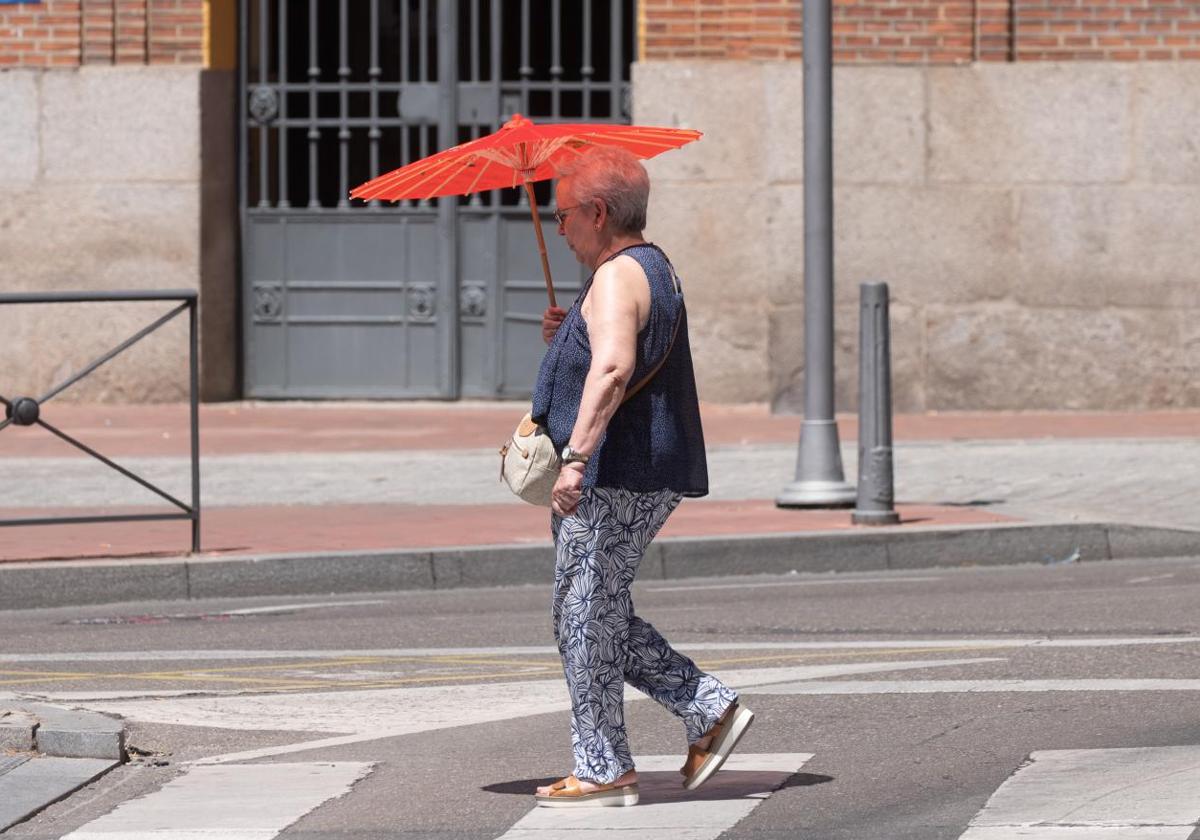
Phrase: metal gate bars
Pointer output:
(27, 411)
(414, 300)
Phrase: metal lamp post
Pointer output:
(820, 480)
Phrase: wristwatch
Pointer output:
(572, 456)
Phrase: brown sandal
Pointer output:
(702, 763)
(566, 793)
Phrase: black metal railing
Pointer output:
(27, 411)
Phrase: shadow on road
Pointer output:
(659, 787)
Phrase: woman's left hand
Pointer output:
(565, 495)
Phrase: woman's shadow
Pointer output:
(659, 787)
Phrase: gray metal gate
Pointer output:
(418, 299)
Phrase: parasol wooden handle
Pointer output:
(537, 228)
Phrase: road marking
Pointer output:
(777, 584)
(1149, 578)
(1144, 792)
(882, 644)
(975, 686)
(666, 811)
(368, 715)
(294, 607)
(249, 802)
(162, 618)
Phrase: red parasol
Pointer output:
(519, 153)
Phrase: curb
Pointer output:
(62, 733)
(82, 582)
(54, 752)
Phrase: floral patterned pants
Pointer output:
(604, 645)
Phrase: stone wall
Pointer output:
(1036, 223)
(99, 190)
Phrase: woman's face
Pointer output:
(578, 223)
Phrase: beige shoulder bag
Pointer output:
(529, 463)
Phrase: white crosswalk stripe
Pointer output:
(233, 802)
(1110, 794)
(371, 714)
(227, 655)
(666, 811)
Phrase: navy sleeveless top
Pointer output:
(654, 441)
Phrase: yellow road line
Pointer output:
(227, 675)
(46, 680)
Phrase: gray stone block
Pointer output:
(878, 123)
(29, 586)
(78, 734)
(771, 554)
(16, 730)
(1128, 542)
(1166, 143)
(726, 101)
(996, 546)
(509, 565)
(98, 236)
(40, 782)
(782, 241)
(311, 574)
(1030, 123)
(786, 359)
(1107, 246)
(943, 245)
(717, 262)
(62, 339)
(101, 236)
(141, 124)
(18, 127)
(729, 349)
(997, 357)
(504, 565)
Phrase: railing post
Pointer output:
(875, 488)
(194, 398)
(27, 411)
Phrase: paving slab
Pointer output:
(42, 781)
(11, 762)
(303, 498)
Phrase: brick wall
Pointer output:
(928, 31)
(720, 29)
(67, 33)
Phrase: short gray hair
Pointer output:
(616, 177)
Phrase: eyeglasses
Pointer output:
(560, 215)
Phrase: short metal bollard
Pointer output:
(875, 492)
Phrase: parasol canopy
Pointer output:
(519, 154)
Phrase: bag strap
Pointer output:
(629, 394)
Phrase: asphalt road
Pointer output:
(907, 706)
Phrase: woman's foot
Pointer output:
(571, 792)
(629, 778)
(706, 756)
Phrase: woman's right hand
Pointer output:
(552, 319)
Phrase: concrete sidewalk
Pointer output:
(48, 752)
(319, 497)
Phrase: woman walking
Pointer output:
(617, 394)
